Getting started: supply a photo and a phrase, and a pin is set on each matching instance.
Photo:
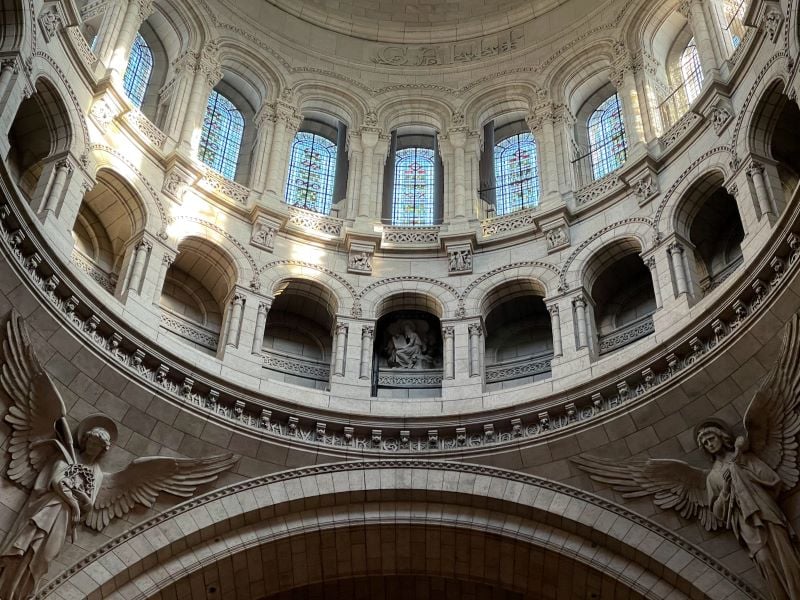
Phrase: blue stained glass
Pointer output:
(517, 173)
(312, 170)
(607, 143)
(221, 139)
(691, 72)
(137, 75)
(413, 202)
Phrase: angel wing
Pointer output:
(772, 421)
(145, 478)
(37, 415)
(672, 483)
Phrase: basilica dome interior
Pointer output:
(326, 299)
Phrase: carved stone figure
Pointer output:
(742, 489)
(556, 238)
(66, 483)
(360, 262)
(406, 348)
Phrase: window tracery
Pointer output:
(221, 138)
(691, 72)
(516, 173)
(607, 142)
(312, 171)
(413, 201)
(140, 67)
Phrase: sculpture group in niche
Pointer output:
(62, 473)
(741, 491)
(410, 345)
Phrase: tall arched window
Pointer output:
(516, 173)
(607, 143)
(221, 139)
(691, 71)
(312, 171)
(414, 198)
(137, 75)
(734, 11)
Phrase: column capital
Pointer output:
(579, 301)
(475, 329)
(675, 248)
(367, 331)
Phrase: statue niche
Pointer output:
(408, 352)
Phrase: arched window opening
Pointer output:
(607, 143)
(312, 173)
(623, 314)
(298, 340)
(196, 289)
(137, 75)
(519, 338)
(691, 71)
(733, 14)
(716, 234)
(516, 173)
(221, 138)
(414, 197)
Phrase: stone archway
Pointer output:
(517, 535)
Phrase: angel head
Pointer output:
(714, 437)
(96, 435)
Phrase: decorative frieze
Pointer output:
(470, 51)
(264, 232)
(217, 184)
(315, 223)
(413, 237)
(627, 335)
(516, 222)
(188, 330)
(681, 127)
(140, 123)
(598, 189)
(518, 369)
(294, 365)
(557, 238)
(359, 257)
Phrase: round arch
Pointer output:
(443, 296)
(541, 274)
(517, 515)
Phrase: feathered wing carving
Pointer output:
(672, 483)
(37, 415)
(145, 478)
(772, 421)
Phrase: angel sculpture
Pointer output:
(67, 485)
(741, 490)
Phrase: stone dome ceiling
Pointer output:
(416, 21)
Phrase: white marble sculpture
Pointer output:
(742, 490)
(67, 485)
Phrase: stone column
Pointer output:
(475, 349)
(448, 337)
(624, 79)
(457, 139)
(579, 304)
(265, 126)
(675, 251)
(366, 196)
(56, 192)
(158, 285)
(8, 68)
(287, 122)
(235, 320)
(261, 326)
(367, 335)
(650, 262)
(109, 30)
(756, 174)
(135, 14)
(141, 253)
(694, 13)
(207, 74)
(340, 349)
(555, 325)
(541, 125)
(356, 156)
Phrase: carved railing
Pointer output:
(598, 188)
(408, 378)
(108, 281)
(315, 223)
(216, 183)
(682, 126)
(411, 237)
(81, 46)
(139, 122)
(291, 364)
(718, 279)
(516, 221)
(519, 368)
(188, 330)
(632, 332)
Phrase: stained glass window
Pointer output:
(414, 187)
(137, 75)
(221, 139)
(312, 170)
(607, 143)
(517, 173)
(691, 71)
(734, 17)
